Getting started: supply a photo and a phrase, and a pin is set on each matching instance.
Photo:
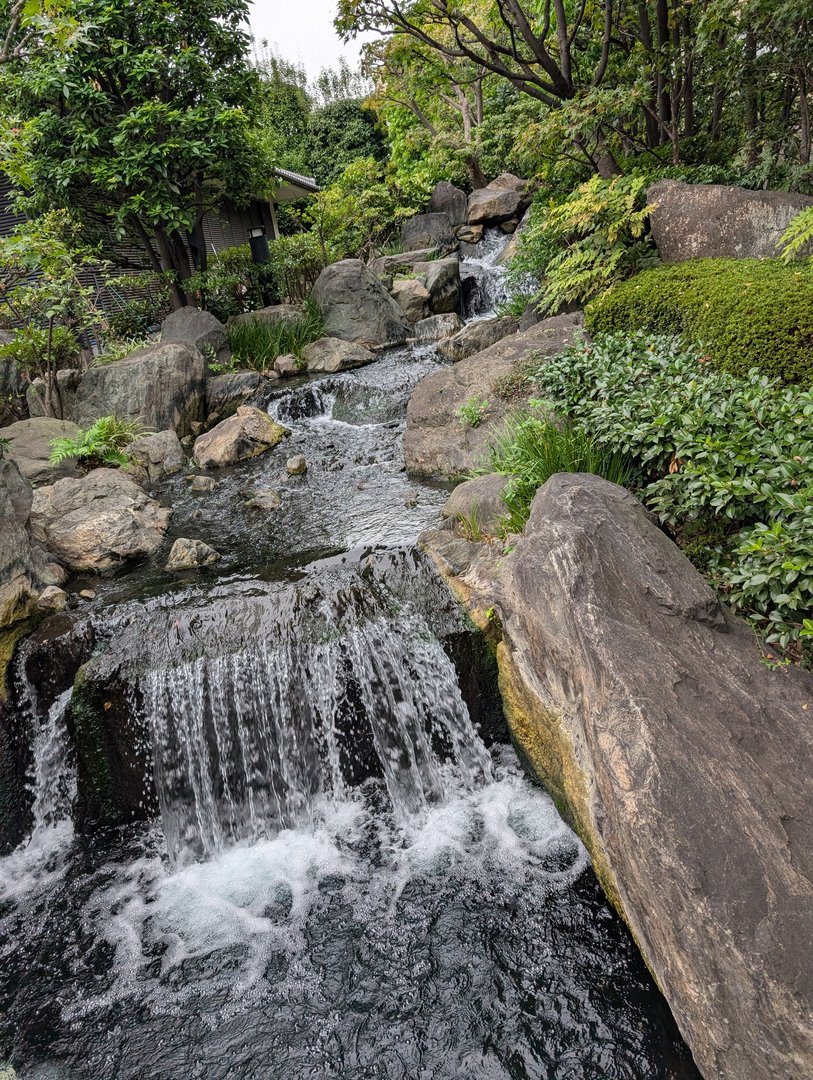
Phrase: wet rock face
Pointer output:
(442, 280)
(224, 393)
(31, 448)
(26, 571)
(697, 221)
(436, 327)
(437, 442)
(164, 386)
(429, 231)
(98, 521)
(685, 763)
(356, 307)
(199, 328)
(477, 336)
(245, 435)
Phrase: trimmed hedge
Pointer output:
(746, 313)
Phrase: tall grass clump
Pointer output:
(530, 449)
(256, 344)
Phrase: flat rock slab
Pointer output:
(685, 764)
(31, 448)
(698, 221)
(245, 435)
(436, 442)
(329, 355)
(477, 336)
(98, 521)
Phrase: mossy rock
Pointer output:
(748, 313)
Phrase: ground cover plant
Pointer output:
(105, 442)
(256, 343)
(723, 460)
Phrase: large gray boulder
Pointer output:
(25, 568)
(356, 307)
(31, 448)
(201, 329)
(247, 434)
(477, 336)
(412, 297)
(329, 355)
(429, 231)
(163, 385)
(450, 200)
(98, 521)
(685, 764)
(500, 200)
(437, 443)
(155, 456)
(698, 221)
(441, 278)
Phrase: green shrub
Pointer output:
(296, 262)
(472, 411)
(577, 247)
(531, 449)
(232, 284)
(257, 344)
(104, 443)
(746, 313)
(31, 342)
(720, 455)
(5, 446)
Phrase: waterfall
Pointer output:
(483, 278)
(52, 783)
(246, 743)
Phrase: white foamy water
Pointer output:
(248, 914)
(53, 787)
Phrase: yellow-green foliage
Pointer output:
(746, 312)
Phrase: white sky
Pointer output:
(302, 31)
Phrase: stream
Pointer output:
(332, 863)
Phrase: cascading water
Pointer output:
(351, 877)
(483, 277)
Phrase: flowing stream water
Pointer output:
(349, 874)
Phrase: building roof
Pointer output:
(293, 186)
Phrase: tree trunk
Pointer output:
(751, 115)
(804, 118)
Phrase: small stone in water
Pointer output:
(286, 366)
(296, 465)
(411, 500)
(190, 554)
(87, 594)
(52, 599)
(265, 499)
(203, 483)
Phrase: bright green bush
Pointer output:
(530, 449)
(578, 246)
(722, 456)
(256, 343)
(104, 443)
(747, 313)
(31, 342)
(296, 262)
